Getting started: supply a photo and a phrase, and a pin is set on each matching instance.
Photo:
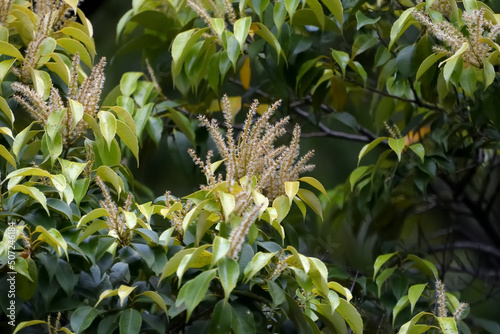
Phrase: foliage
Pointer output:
(414, 82)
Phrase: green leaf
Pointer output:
(424, 266)
(25, 324)
(34, 193)
(397, 145)
(128, 137)
(402, 23)
(54, 238)
(291, 189)
(315, 183)
(447, 325)
(182, 123)
(414, 293)
(181, 45)
(362, 43)
(241, 28)
(123, 293)
(193, 292)
(311, 200)
(229, 272)
(412, 328)
(342, 58)
(198, 259)
(82, 318)
(91, 229)
(106, 294)
(379, 262)
(357, 174)
(175, 261)
(428, 62)
(368, 147)
(71, 170)
(5, 67)
(384, 275)
(128, 82)
(363, 20)
(108, 175)
(400, 305)
(264, 32)
(489, 73)
(130, 321)
(419, 150)
(276, 292)
(107, 125)
(351, 316)
(94, 214)
(9, 50)
(258, 262)
(81, 36)
(228, 204)
(4, 106)
(7, 156)
(335, 7)
(451, 62)
(219, 249)
(72, 3)
(291, 7)
(222, 318)
(470, 5)
(65, 277)
(154, 296)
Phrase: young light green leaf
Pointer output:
(220, 248)
(397, 145)
(357, 174)
(428, 62)
(154, 296)
(414, 293)
(400, 305)
(311, 200)
(25, 324)
(368, 147)
(451, 62)
(419, 150)
(351, 316)
(33, 192)
(447, 325)
(94, 214)
(402, 23)
(108, 175)
(379, 262)
(384, 275)
(127, 135)
(7, 156)
(258, 262)
(9, 50)
(335, 7)
(123, 292)
(241, 28)
(128, 82)
(107, 125)
(424, 266)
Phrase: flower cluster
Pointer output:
(478, 29)
(203, 12)
(87, 95)
(254, 155)
(177, 216)
(116, 220)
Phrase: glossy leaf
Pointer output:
(193, 292)
(229, 272)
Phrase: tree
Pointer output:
(414, 83)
